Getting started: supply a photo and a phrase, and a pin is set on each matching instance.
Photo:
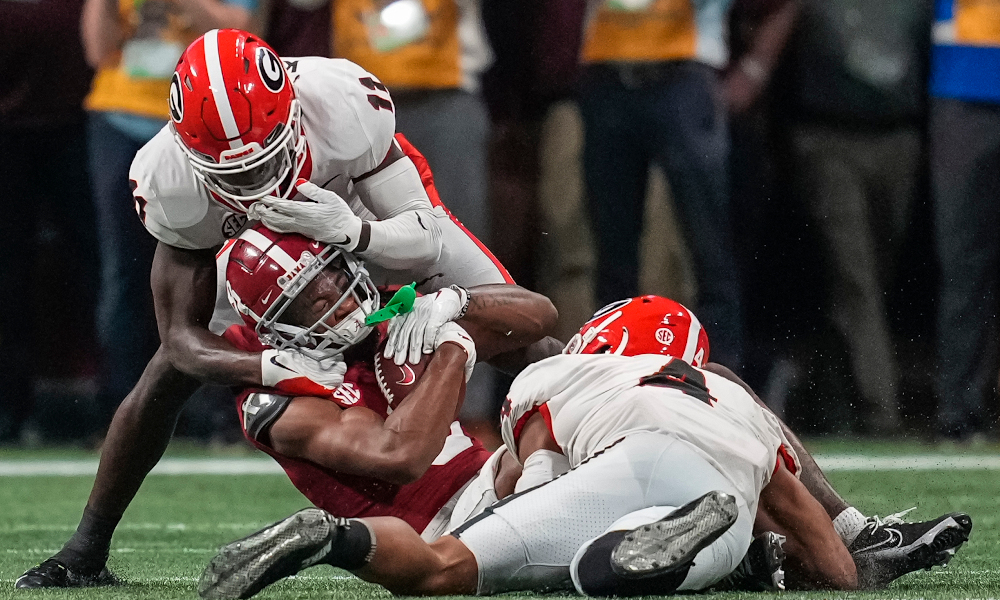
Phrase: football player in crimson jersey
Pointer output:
(601, 413)
(301, 143)
(353, 450)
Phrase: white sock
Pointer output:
(848, 524)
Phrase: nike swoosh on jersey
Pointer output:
(343, 242)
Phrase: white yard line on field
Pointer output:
(167, 466)
(265, 466)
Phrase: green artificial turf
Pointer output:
(176, 523)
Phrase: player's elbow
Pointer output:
(403, 459)
(402, 470)
(537, 318)
(542, 317)
(186, 356)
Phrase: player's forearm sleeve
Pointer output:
(407, 241)
(394, 190)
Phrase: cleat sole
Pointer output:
(673, 541)
(244, 567)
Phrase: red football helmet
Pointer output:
(235, 116)
(643, 325)
(267, 271)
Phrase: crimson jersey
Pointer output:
(348, 495)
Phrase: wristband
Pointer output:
(465, 297)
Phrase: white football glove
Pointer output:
(452, 332)
(295, 373)
(413, 333)
(327, 219)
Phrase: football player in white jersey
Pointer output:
(611, 444)
(306, 144)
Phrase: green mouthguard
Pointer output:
(401, 302)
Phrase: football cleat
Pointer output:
(671, 543)
(761, 570)
(889, 548)
(53, 573)
(246, 566)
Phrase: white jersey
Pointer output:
(593, 400)
(347, 137)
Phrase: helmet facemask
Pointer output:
(320, 340)
(255, 172)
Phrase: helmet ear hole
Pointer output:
(605, 349)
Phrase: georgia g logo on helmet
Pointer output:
(272, 72)
(175, 101)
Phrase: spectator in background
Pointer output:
(430, 54)
(134, 45)
(856, 110)
(965, 183)
(44, 172)
(650, 93)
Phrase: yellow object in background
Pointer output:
(641, 31)
(405, 43)
(977, 22)
(137, 79)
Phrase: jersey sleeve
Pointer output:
(348, 114)
(171, 203)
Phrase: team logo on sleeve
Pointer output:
(175, 101)
(270, 69)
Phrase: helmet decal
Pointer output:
(175, 101)
(643, 325)
(664, 336)
(272, 73)
(236, 117)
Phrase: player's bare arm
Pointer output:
(816, 557)
(356, 440)
(184, 287)
(503, 317)
(811, 475)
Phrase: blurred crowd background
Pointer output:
(818, 179)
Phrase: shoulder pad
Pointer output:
(260, 411)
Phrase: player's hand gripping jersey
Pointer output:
(349, 125)
(590, 401)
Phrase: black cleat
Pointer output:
(761, 570)
(671, 543)
(889, 548)
(53, 573)
(246, 566)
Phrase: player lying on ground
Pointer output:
(662, 468)
(448, 566)
(361, 450)
(245, 126)
(884, 549)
